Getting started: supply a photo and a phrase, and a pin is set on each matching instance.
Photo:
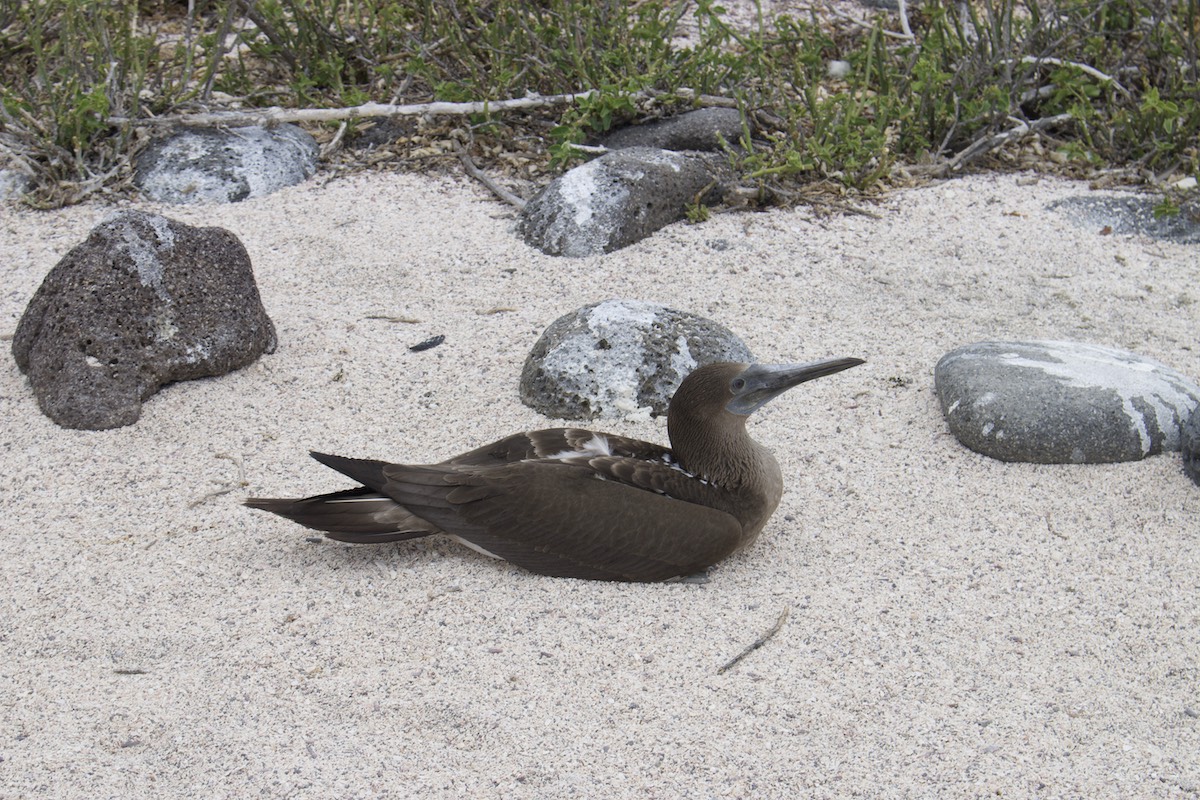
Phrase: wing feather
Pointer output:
(554, 442)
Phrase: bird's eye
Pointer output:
(738, 384)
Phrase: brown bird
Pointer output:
(584, 504)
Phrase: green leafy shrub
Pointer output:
(1119, 78)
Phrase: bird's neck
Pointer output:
(726, 456)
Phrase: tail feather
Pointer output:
(359, 515)
(364, 470)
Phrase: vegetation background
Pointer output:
(832, 101)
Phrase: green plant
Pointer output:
(1166, 207)
(73, 74)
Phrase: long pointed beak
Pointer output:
(759, 384)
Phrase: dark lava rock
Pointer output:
(620, 198)
(383, 131)
(198, 165)
(1190, 446)
(1062, 402)
(143, 302)
(620, 359)
(703, 129)
(1133, 214)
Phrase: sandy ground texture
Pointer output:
(958, 627)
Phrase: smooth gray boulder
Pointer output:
(1190, 446)
(143, 302)
(620, 359)
(1062, 402)
(197, 165)
(703, 129)
(620, 198)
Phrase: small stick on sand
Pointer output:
(386, 318)
(479, 175)
(759, 642)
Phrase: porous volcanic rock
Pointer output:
(143, 302)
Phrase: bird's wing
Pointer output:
(559, 443)
(661, 477)
(566, 520)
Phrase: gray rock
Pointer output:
(1189, 444)
(13, 183)
(1133, 214)
(620, 359)
(618, 199)
(1062, 402)
(703, 129)
(143, 302)
(198, 165)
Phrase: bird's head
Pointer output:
(707, 425)
(715, 390)
(707, 416)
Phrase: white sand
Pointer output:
(959, 627)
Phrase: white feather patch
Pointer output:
(596, 446)
(474, 546)
(675, 466)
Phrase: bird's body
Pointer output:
(585, 504)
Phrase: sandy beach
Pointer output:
(957, 626)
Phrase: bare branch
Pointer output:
(589, 149)
(1085, 68)
(904, 20)
(276, 115)
(703, 100)
(986, 144)
(833, 10)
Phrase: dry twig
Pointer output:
(759, 642)
(276, 114)
(908, 34)
(1020, 130)
(479, 175)
(1085, 68)
(240, 483)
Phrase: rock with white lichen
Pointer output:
(1062, 402)
(1133, 214)
(198, 165)
(620, 198)
(620, 359)
(13, 183)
